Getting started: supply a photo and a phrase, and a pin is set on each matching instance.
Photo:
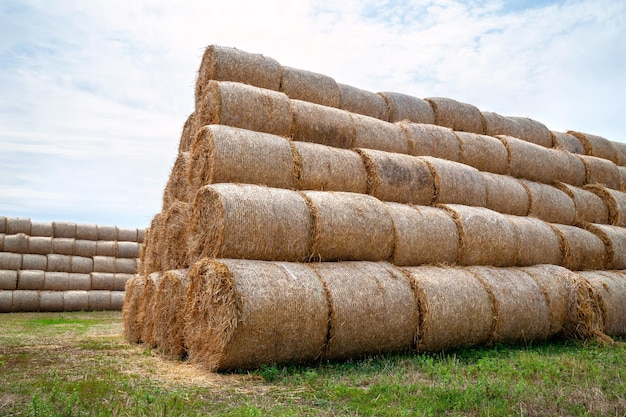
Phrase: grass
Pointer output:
(78, 364)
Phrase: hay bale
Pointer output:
(620, 152)
(242, 313)
(117, 300)
(520, 309)
(457, 115)
(3, 224)
(34, 262)
(454, 308)
(610, 286)
(150, 259)
(86, 232)
(596, 146)
(363, 102)
(41, 229)
(589, 207)
(529, 161)
(400, 178)
(8, 280)
(15, 225)
(75, 301)
(128, 249)
(614, 201)
(103, 264)
(124, 266)
(320, 124)
(173, 247)
(581, 249)
(81, 265)
(141, 235)
(64, 230)
(614, 239)
(549, 204)
(622, 175)
(63, 246)
(309, 86)
(601, 171)
(133, 300)
(169, 307)
(98, 300)
(178, 187)
(249, 221)
(148, 313)
(534, 131)
(482, 152)
(40, 245)
(537, 242)
(10, 261)
(30, 280)
(107, 232)
(569, 168)
(120, 281)
(188, 133)
(225, 154)
(85, 248)
(372, 309)
(103, 281)
(126, 234)
(456, 183)
(404, 107)
(432, 140)
(6, 301)
(248, 107)
(329, 169)
(17, 243)
(56, 281)
(496, 124)
(376, 134)
(231, 64)
(423, 235)
(2, 242)
(342, 222)
(505, 194)
(51, 301)
(78, 281)
(25, 301)
(486, 237)
(567, 142)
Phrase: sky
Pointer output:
(94, 94)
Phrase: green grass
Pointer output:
(79, 365)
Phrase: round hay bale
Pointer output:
(64, 246)
(56, 281)
(396, 177)
(42, 229)
(151, 260)
(330, 169)
(614, 239)
(249, 221)
(98, 300)
(505, 194)
(169, 310)
(86, 232)
(520, 309)
(242, 314)
(309, 86)
(25, 301)
(86, 248)
(558, 285)
(103, 264)
(30, 280)
(569, 168)
(372, 309)
(423, 235)
(432, 140)
(231, 64)
(529, 161)
(601, 171)
(131, 317)
(117, 300)
(103, 281)
(107, 232)
(622, 175)
(245, 106)
(10, 261)
(404, 107)
(17, 243)
(342, 222)
(148, 313)
(15, 225)
(103, 247)
(596, 146)
(534, 131)
(40, 245)
(549, 204)
(225, 154)
(178, 187)
(2, 242)
(614, 201)
(120, 280)
(567, 142)
(454, 308)
(3, 224)
(78, 281)
(51, 301)
(487, 237)
(64, 230)
(320, 124)
(611, 289)
(620, 151)
(581, 249)
(6, 301)
(141, 235)
(376, 134)
(537, 242)
(75, 301)
(81, 265)
(589, 207)
(8, 280)
(188, 133)
(173, 248)
(456, 183)
(125, 266)
(363, 102)
(496, 124)
(128, 249)
(482, 152)
(457, 115)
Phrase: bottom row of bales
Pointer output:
(226, 314)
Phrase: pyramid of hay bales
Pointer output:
(306, 219)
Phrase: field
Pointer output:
(78, 364)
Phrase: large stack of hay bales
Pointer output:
(64, 266)
(306, 220)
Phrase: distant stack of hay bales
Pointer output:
(306, 219)
(64, 266)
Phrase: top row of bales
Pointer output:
(230, 64)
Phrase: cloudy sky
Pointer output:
(94, 94)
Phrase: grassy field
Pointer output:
(78, 364)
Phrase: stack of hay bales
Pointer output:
(306, 220)
(63, 266)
